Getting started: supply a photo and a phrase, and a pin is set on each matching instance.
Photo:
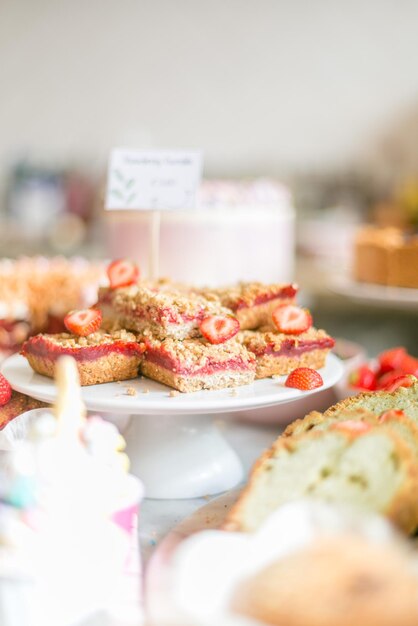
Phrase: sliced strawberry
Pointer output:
(304, 378)
(291, 319)
(83, 322)
(391, 359)
(5, 390)
(218, 329)
(122, 273)
(388, 378)
(409, 365)
(352, 426)
(363, 378)
(391, 414)
(402, 381)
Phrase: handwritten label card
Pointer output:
(153, 179)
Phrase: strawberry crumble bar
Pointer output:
(195, 364)
(253, 303)
(18, 404)
(159, 314)
(101, 357)
(278, 354)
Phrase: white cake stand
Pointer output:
(173, 443)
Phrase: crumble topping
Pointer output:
(66, 340)
(199, 352)
(158, 304)
(130, 391)
(247, 293)
(258, 340)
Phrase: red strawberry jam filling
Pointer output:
(293, 348)
(43, 347)
(287, 292)
(167, 360)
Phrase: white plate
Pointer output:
(398, 297)
(112, 397)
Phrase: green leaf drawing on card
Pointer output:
(129, 183)
(130, 198)
(119, 176)
(117, 193)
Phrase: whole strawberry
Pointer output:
(390, 360)
(386, 379)
(304, 378)
(5, 390)
(402, 381)
(363, 378)
(409, 365)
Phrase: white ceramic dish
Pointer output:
(174, 446)
(112, 397)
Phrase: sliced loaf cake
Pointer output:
(374, 471)
(404, 398)
(360, 421)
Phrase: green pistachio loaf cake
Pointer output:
(374, 471)
(361, 452)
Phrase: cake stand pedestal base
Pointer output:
(174, 445)
(181, 457)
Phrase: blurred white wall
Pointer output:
(259, 85)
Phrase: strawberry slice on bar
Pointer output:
(291, 319)
(122, 273)
(218, 329)
(84, 322)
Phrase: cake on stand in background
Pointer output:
(215, 243)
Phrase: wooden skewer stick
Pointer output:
(154, 256)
